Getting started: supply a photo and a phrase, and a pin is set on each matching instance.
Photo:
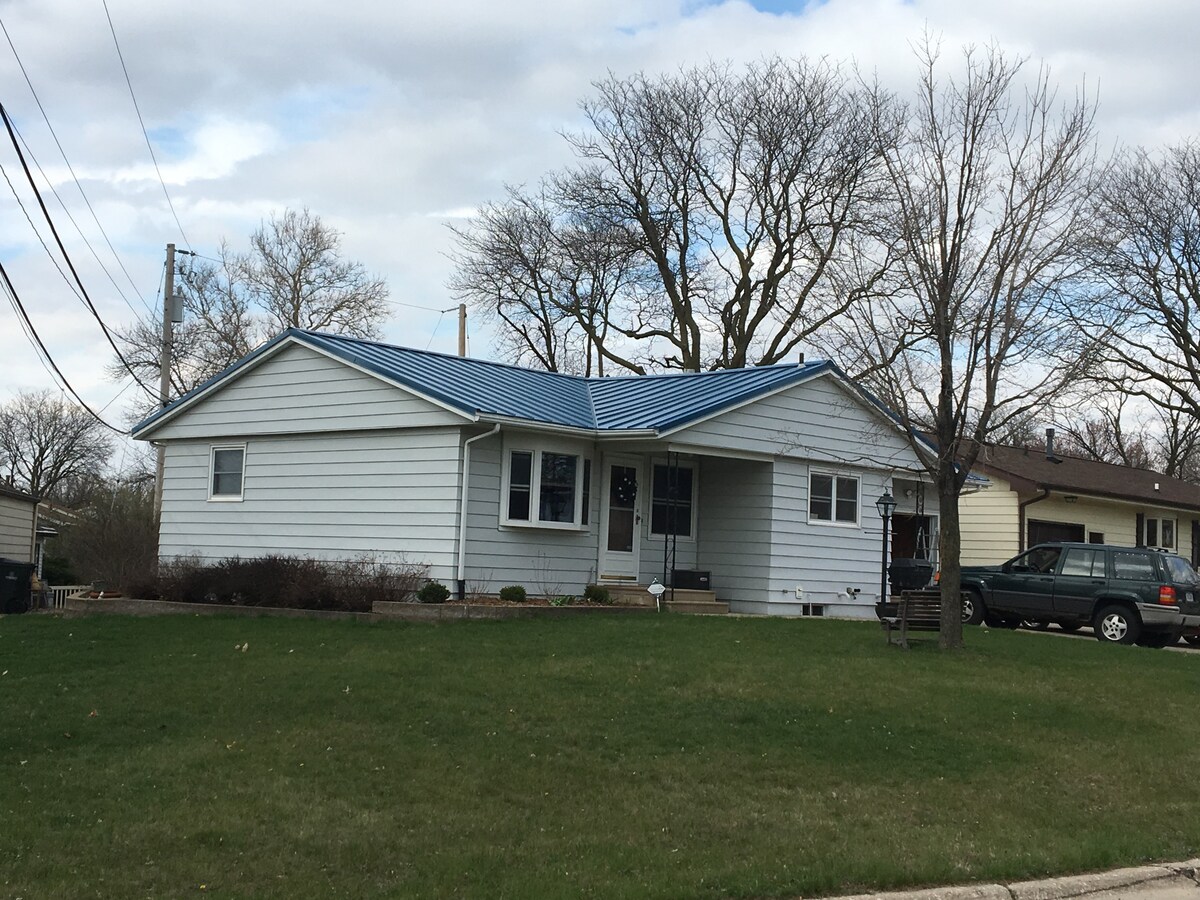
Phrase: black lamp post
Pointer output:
(886, 506)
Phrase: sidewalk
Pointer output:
(1166, 881)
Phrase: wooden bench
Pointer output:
(916, 611)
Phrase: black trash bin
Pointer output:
(910, 574)
(15, 591)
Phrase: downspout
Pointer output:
(1021, 516)
(460, 586)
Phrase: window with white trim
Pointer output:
(832, 498)
(672, 499)
(543, 488)
(1160, 533)
(227, 465)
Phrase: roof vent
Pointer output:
(800, 360)
(1050, 446)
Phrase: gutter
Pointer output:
(1021, 516)
(460, 587)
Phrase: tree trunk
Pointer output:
(950, 546)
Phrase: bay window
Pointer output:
(544, 488)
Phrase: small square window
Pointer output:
(833, 498)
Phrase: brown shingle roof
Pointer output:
(1029, 469)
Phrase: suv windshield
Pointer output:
(1180, 571)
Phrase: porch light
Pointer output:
(886, 506)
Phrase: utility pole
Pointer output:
(462, 329)
(164, 378)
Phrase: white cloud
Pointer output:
(390, 120)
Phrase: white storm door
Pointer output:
(620, 522)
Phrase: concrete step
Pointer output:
(683, 600)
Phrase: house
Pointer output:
(18, 522)
(1034, 495)
(323, 445)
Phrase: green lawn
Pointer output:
(628, 757)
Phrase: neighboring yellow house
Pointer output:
(1034, 496)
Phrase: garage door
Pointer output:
(1040, 532)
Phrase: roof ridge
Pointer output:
(349, 339)
(1086, 459)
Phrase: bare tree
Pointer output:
(47, 444)
(293, 276)
(1147, 256)
(1154, 436)
(294, 272)
(550, 275)
(724, 212)
(988, 183)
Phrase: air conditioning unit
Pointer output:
(691, 580)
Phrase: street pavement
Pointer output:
(1166, 881)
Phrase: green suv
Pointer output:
(1129, 595)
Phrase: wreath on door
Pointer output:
(625, 488)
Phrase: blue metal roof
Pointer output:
(478, 387)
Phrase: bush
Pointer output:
(514, 593)
(281, 581)
(433, 592)
(593, 593)
(562, 600)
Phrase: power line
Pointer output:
(141, 122)
(19, 308)
(38, 234)
(62, 249)
(78, 184)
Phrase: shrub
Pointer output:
(562, 600)
(593, 593)
(433, 592)
(514, 593)
(282, 581)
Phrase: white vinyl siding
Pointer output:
(299, 390)
(16, 528)
(735, 499)
(824, 561)
(558, 561)
(818, 420)
(389, 493)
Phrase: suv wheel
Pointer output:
(1117, 625)
(972, 608)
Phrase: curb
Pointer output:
(1053, 888)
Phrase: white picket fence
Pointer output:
(60, 592)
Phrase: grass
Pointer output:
(633, 757)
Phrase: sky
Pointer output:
(394, 120)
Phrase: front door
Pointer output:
(620, 531)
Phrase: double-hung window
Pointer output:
(227, 465)
(544, 488)
(1160, 533)
(832, 498)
